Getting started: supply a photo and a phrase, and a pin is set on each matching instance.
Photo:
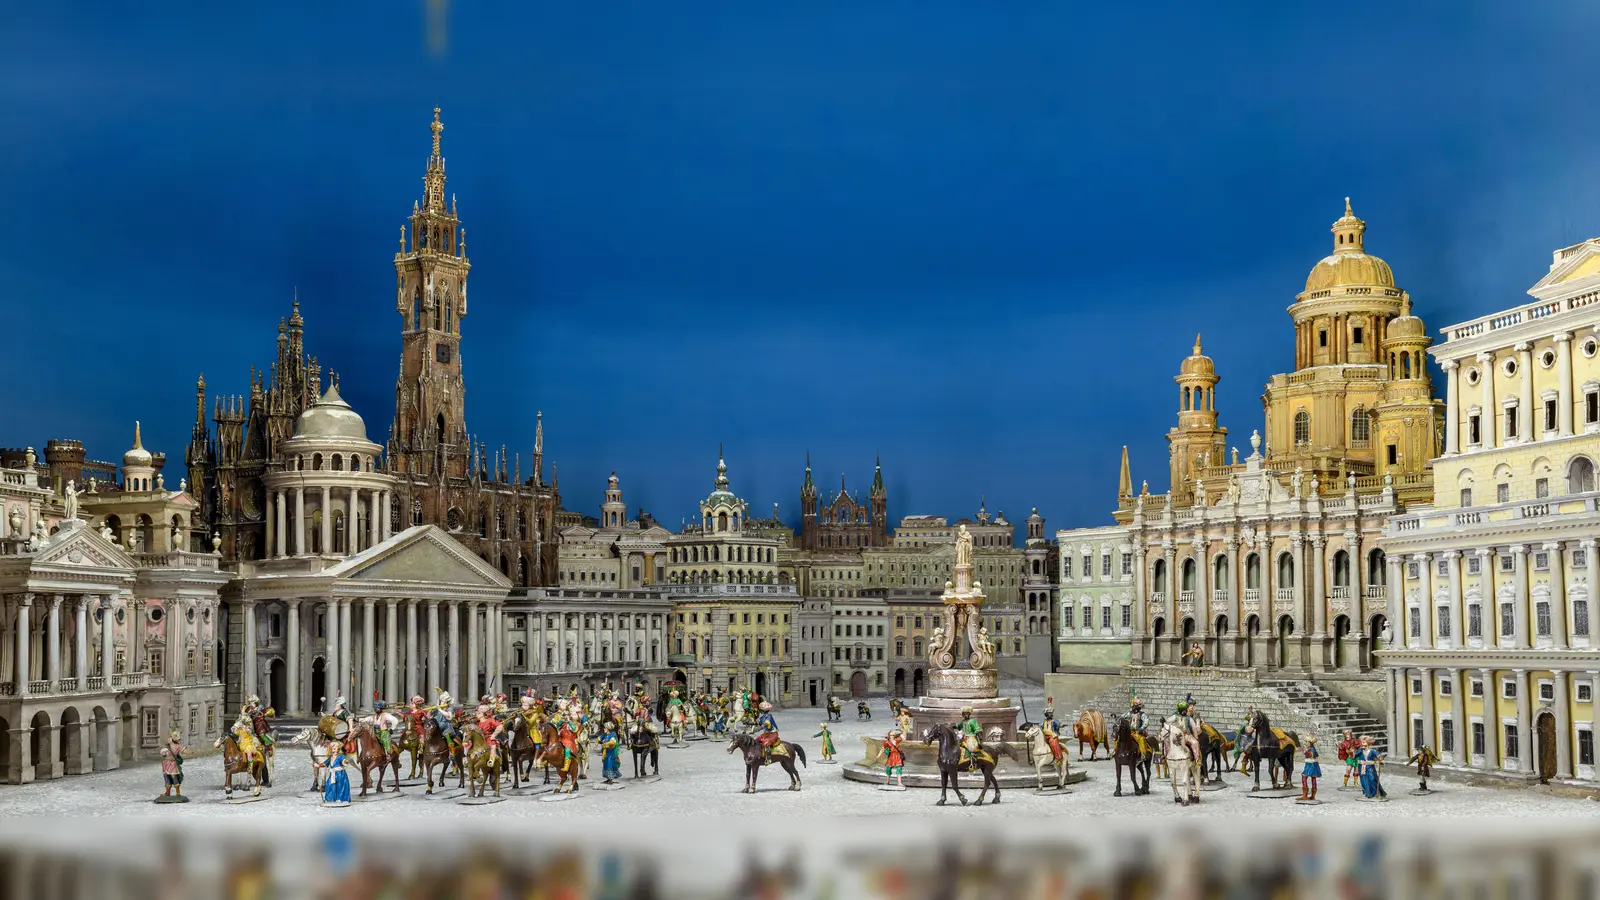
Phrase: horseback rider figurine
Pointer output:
(383, 724)
(492, 730)
(566, 735)
(767, 733)
(971, 734)
(444, 715)
(244, 734)
(263, 732)
(1137, 726)
(1052, 730)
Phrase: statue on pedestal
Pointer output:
(69, 496)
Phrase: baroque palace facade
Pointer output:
(1494, 661)
(1271, 563)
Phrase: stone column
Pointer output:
(52, 649)
(1169, 602)
(412, 688)
(1458, 713)
(1559, 616)
(1489, 602)
(374, 518)
(1526, 745)
(472, 649)
(1141, 599)
(271, 521)
(24, 633)
(1425, 599)
(434, 673)
(1319, 602)
(1358, 581)
(453, 635)
(1452, 433)
(296, 704)
(300, 521)
(1202, 596)
(1397, 600)
(108, 624)
(391, 668)
(1430, 722)
(1525, 417)
(369, 677)
(1487, 431)
(1458, 600)
(280, 520)
(1491, 719)
(1519, 607)
(1564, 768)
(496, 643)
(346, 643)
(330, 666)
(249, 680)
(384, 515)
(327, 519)
(1394, 678)
(1236, 581)
(1564, 384)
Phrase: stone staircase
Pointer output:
(1225, 696)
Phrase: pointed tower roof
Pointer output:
(808, 484)
(1125, 480)
(137, 456)
(877, 477)
(1349, 264)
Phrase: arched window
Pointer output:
(416, 309)
(437, 315)
(1186, 400)
(1360, 426)
(1285, 570)
(1302, 427)
(722, 521)
(1252, 572)
(449, 316)
(316, 462)
(1158, 578)
(1188, 575)
(1580, 475)
(1341, 569)
(1405, 365)
(1377, 568)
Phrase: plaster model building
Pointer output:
(1492, 661)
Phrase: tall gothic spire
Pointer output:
(433, 181)
(1125, 480)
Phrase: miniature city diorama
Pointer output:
(1372, 597)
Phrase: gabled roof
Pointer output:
(420, 553)
(76, 544)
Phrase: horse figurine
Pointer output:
(834, 713)
(1041, 758)
(1126, 753)
(1214, 748)
(371, 755)
(642, 741)
(1182, 752)
(1274, 745)
(755, 758)
(234, 762)
(983, 761)
(676, 723)
(522, 746)
(554, 757)
(1091, 729)
(482, 761)
(863, 711)
(436, 751)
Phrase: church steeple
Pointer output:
(1125, 480)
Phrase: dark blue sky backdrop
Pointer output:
(975, 237)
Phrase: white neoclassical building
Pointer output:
(342, 607)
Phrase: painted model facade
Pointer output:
(1493, 660)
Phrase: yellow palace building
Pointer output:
(1493, 661)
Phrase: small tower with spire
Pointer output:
(1197, 440)
(613, 513)
(808, 508)
(879, 498)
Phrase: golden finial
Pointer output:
(437, 128)
(1197, 343)
(1347, 213)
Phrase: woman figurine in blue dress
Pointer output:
(1312, 770)
(1370, 760)
(611, 753)
(336, 784)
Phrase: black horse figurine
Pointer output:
(863, 711)
(643, 744)
(949, 742)
(834, 715)
(1125, 751)
(1214, 747)
(755, 758)
(1266, 746)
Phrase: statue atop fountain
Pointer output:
(961, 638)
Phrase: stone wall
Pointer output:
(1071, 691)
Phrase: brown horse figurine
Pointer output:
(436, 752)
(553, 756)
(411, 742)
(371, 755)
(523, 742)
(234, 763)
(1126, 754)
(1091, 729)
(482, 761)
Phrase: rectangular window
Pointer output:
(1443, 615)
(1585, 692)
(1474, 565)
(1413, 571)
(1541, 488)
(1446, 686)
(1580, 558)
(899, 621)
(1508, 621)
(1444, 565)
(1508, 689)
(1447, 736)
(1087, 567)
(1105, 617)
(1416, 687)
(1511, 421)
(150, 721)
(1513, 751)
(1541, 561)
(1355, 335)
(157, 661)
(1322, 338)
(1474, 430)
(1580, 617)
(1066, 615)
(1416, 622)
(1585, 747)
(1591, 407)
(1105, 565)
(916, 622)
(1477, 687)
(1547, 691)
(1478, 738)
(1394, 455)
(1549, 415)
(1508, 563)
(1066, 567)
(1475, 620)
(1419, 734)
(1502, 493)
(1127, 615)
(1127, 563)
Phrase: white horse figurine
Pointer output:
(1040, 757)
(313, 739)
(1181, 750)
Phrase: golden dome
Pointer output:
(1349, 264)
(1406, 325)
(1197, 363)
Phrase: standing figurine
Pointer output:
(827, 742)
(894, 763)
(1349, 749)
(1244, 741)
(1371, 770)
(1311, 771)
(336, 783)
(1196, 655)
(1052, 729)
(903, 721)
(172, 770)
(611, 754)
(1424, 759)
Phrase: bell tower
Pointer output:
(429, 436)
(1197, 441)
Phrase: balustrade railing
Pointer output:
(1377, 591)
(1252, 595)
(1285, 595)
(1340, 592)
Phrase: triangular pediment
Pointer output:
(1579, 270)
(76, 544)
(423, 553)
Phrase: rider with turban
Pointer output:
(767, 731)
(1052, 729)
(244, 734)
(491, 728)
(970, 732)
(1138, 725)
(383, 725)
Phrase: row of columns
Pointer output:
(1529, 426)
(282, 521)
(1495, 707)
(22, 652)
(408, 665)
(1523, 633)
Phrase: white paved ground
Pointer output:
(703, 780)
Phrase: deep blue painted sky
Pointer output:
(975, 237)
